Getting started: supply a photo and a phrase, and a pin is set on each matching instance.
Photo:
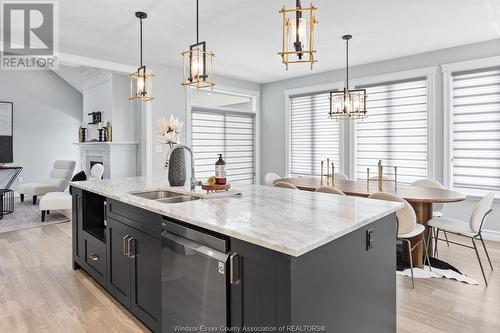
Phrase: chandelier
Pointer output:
(298, 35)
(141, 82)
(197, 63)
(349, 104)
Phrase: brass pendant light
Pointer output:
(197, 63)
(298, 34)
(349, 104)
(141, 82)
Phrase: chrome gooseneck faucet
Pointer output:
(194, 183)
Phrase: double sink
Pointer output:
(168, 197)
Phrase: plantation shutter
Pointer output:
(476, 131)
(229, 133)
(395, 130)
(313, 136)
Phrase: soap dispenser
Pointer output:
(220, 171)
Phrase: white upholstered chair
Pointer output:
(407, 226)
(471, 229)
(58, 181)
(340, 176)
(331, 190)
(437, 209)
(286, 185)
(270, 178)
(62, 200)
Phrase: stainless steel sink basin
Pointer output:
(180, 198)
(166, 196)
(155, 195)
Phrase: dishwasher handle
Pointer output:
(188, 247)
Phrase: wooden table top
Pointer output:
(413, 194)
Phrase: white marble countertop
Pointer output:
(293, 222)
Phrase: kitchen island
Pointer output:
(288, 260)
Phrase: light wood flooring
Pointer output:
(39, 292)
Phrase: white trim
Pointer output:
(76, 60)
(447, 70)
(430, 74)
(395, 76)
(491, 235)
(255, 100)
(471, 64)
(306, 90)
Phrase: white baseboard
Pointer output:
(491, 235)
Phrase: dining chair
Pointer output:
(340, 176)
(437, 209)
(472, 229)
(331, 190)
(407, 226)
(285, 185)
(270, 178)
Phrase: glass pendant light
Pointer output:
(141, 82)
(298, 35)
(349, 103)
(197, 63)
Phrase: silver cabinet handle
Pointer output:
(93, 257)
(125, 248)
(234, 268)
(105, 214)
(131, 247)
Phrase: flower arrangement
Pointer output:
(170, 131)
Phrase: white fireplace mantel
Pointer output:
(118, 158)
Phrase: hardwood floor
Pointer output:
(39, 292)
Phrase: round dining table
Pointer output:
(421, 199)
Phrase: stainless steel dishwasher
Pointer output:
(194, 280)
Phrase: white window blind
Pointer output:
(476, 131)
(313, 136)
(395, 130)
(229, 133)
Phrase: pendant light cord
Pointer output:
(347, 63)
(197, 24)
(140, 34)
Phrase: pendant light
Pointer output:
(349, 103)
(298, 35)
(141, 82)
(197, 63)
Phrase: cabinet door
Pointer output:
(77, 216)
(146, 279)
(118, 262)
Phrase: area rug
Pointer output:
(440, 269)
(26, 216)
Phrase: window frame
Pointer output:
(447, 72)
(430, 74)
(254, 96)
(288, 94)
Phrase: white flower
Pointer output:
(170, 138)
(175, 124)
(169, 130)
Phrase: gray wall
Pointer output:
(273, 107)
(47, 114)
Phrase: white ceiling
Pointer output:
(246, 34)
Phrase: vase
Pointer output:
(177, 168)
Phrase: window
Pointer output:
(395, 130)
(475, 140)
(313, 136)
(224, 132)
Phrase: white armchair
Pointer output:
(58, 181)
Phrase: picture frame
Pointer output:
(6, 132)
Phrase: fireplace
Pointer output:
(117, 158)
